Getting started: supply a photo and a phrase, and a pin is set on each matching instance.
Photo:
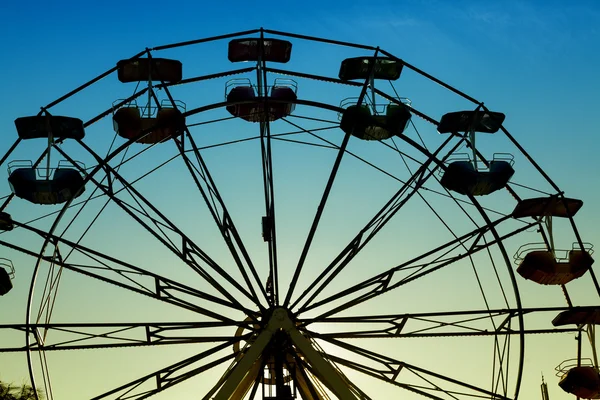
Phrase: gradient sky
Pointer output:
(536, 61)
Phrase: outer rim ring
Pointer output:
(124, 146)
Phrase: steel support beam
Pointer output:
(281, 321)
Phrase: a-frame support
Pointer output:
(281, 321)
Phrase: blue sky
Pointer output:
(536, 61)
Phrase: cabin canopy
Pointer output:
(578, 316)
(249, 49)
(41, 126)
(476, 121)
(149, 69)
(552, 206)
(358, 68)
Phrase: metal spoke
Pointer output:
(189, 252)
(218, 208)
(388, 280)
(390, 370)
(80, 336)
(221, 216)
(133, 278)
(269, 221)
(325, 195)
(434, 324)
(398, 200)
(168, 376)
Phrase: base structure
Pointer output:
(273, 347)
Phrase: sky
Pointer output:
(535, 61)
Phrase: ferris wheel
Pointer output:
(271, 215)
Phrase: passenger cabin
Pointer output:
(7, 273)
(582, 381)
(249, 49)
(6, 222)
(163, 122)
(462, 177)
(149, 69)
(578, 316)
(154, 124)
(556, 267)
(243, 101)
(56, 185)
(552, 206)
(358, 68)
(43, 126)
(359, 122)
(365, 121)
